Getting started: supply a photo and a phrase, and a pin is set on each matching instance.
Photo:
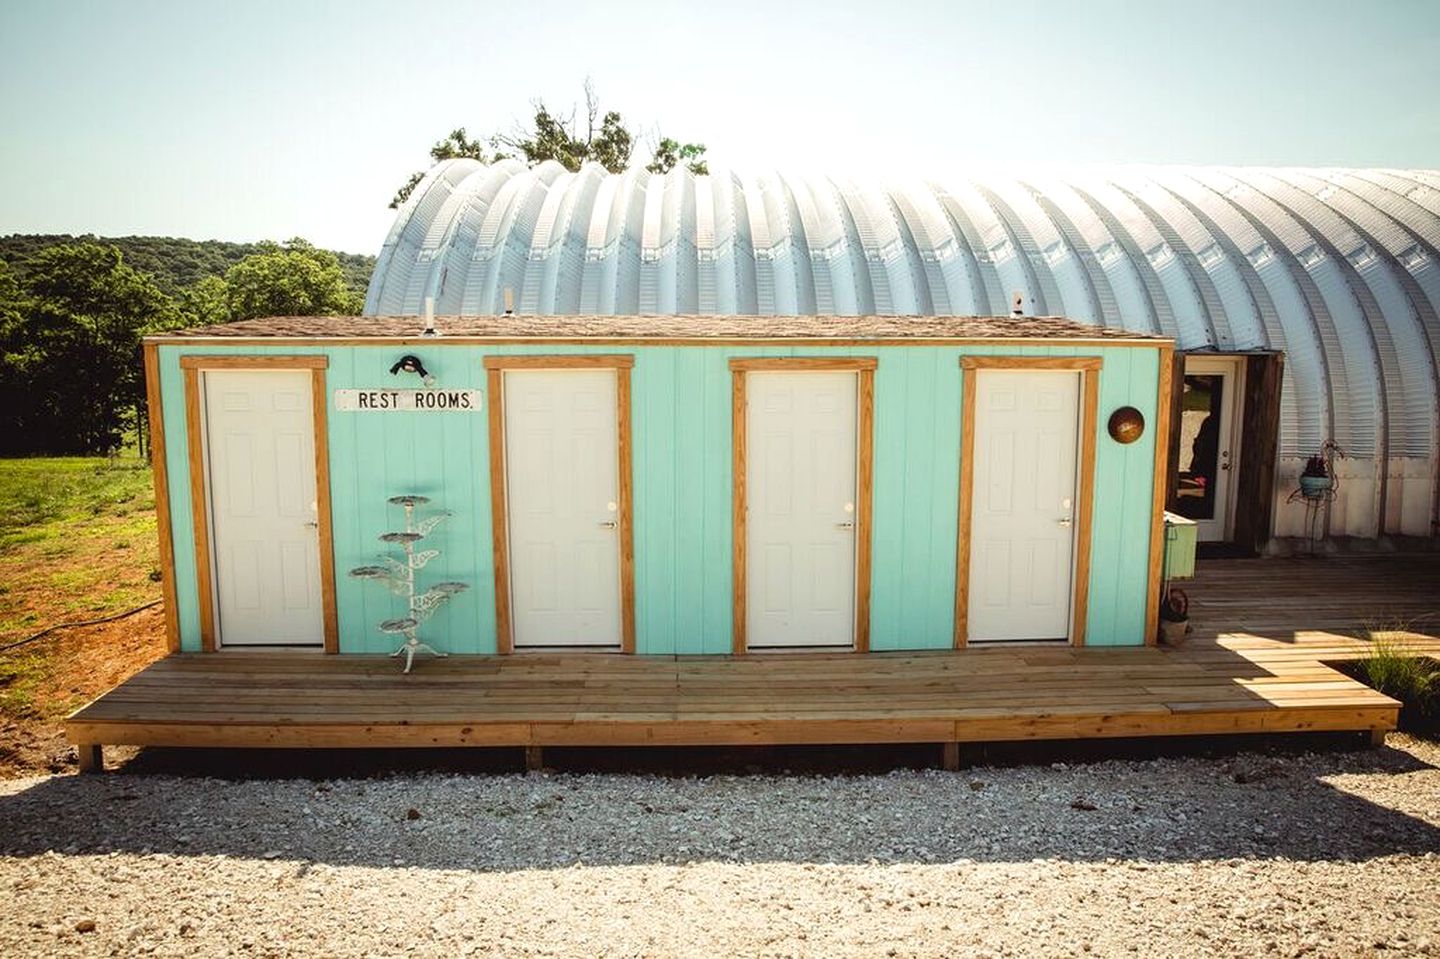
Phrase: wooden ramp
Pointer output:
(1224, 680)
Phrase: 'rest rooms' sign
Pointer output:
(408, 401)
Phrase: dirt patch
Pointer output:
(64, 671)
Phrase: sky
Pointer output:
(265, 120)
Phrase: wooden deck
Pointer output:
(1256, 663)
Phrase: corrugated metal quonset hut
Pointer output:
(1304, 302)
(658, 485)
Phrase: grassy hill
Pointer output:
(174, 262)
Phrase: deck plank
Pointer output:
(1265, 632)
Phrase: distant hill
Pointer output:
(173, 261)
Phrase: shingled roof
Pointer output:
(667, 328)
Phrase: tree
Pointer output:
(670, 152)
(204, 302)
(453, 147)
(70, 372)
(551, 136)
(294, 279)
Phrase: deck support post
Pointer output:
(1377, 737)
(91, 756)
(950, 757)
(534, 759)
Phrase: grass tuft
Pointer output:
(1413, 680)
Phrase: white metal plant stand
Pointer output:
(399, 577)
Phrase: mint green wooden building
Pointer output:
(661, 485)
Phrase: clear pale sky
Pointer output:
(258, 119)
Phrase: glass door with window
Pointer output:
(1208, 446)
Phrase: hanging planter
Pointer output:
(1318, 478)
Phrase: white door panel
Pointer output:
(562, 487)
(1022, 509)
(260, 446)
(800, 502)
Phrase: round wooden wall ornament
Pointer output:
(1127, 424)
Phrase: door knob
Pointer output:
(607, 524)
(844, 525)
(1067, 522)
(313, 524)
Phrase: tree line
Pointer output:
(72, 314)
(74, 309)
(605, 138)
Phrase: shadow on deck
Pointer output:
(1256, 664)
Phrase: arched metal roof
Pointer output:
(1338, 268)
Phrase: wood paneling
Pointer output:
(864, 508)
(627, 506)
(683, 517)
(230, 361)
(319, 406)
(1172, 439)
(154, 406)
(199, 506)
(561, 361)
(1006, 362)
(1160, 429)
(793, 363)
(738, 406)
(966, 509)
(499, 510)
(1259, 445)
(1085, 501)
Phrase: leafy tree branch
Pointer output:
(606, 139)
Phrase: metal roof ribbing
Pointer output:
(1339, 268)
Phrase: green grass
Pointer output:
(77, 541)
(41, 498)
(1400, 674)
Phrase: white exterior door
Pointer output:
(1209, 445)
(562, 465)
(260, 453)
(800, 518)
(1023, 504)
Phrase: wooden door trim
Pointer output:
(1089, 369)
(192, 366)
(864, 367)
(495, 368)
(1160, 494)
(560, 361)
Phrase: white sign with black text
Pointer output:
(408, 401)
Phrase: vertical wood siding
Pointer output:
(681, 409)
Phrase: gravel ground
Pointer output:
(1334, 853)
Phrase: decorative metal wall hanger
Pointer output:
(410, 363)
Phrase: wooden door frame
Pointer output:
(1089, 369)
(192, 366)
(864, 368)
(495, 369)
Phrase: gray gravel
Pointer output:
(1329, 853)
